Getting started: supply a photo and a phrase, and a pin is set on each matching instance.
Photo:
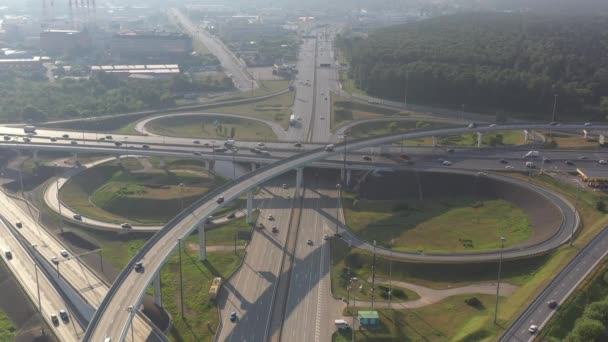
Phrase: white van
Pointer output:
(530, 165)
(341, 324)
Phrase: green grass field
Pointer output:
(8, 332)
(343, 110)
(267, 87)
(449, 320)
(212, 127)
(569, 141)
(383, 127)
(443, 224)
(275, 109)
(112, 194)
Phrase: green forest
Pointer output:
(488, 61)
(31, 99)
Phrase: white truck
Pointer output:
(293, 120)
(532, 154)
(341, 324)
(29, 129)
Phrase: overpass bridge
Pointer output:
(127, 292)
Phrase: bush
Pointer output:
(587, 330)
(474, 302)
(600, 206)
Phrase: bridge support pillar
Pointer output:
(479, 139)
(35, 155)
(343, 175)
(75, 155)
(602, 139)
(526, 135)
(299, 176)
(211, 164)
(250, 206)
(434, 141)
(585, 133)
(158, 297)
(254, 166)
(202, 247)
(348, 177)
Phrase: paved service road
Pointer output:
(233, 66)
(539, 313)
(250, 291)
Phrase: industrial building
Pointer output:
(151, 45)
(24, 64)
(61, 42)
(153, 71)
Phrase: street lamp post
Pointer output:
(58, 199)
(374, 274)
(181, 276)
(554, 107)
(502, 246)
(339, 187)
(181, 195)
(344, 160)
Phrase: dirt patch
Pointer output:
(545, 217)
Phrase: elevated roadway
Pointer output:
(129, 288)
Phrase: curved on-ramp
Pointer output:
(113, 316)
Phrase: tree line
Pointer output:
(489, 61)
(27, 98)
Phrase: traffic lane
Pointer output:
(251, 293)
(301, 307)
(23, 268)
(559, 290)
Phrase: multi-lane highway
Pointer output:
(232, 65)
(250, 292)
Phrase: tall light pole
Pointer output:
(58, 198)
(339, 187)
(502, 246)
(181, 276)
(344, 160)
(554, 107)
(181, 195)
(374, 275)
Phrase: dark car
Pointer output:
(504, 161)
(233, 316)
(368, 158)
(231, 216)
(19, 224)
(275, 229)
(450, 150)
(145, 146)
(220, 200)
(54, 319)
(118, 143)
(552, 304)
(297, 145)
(126, 226)
(567, 162)
(139, 267)
(66, 136)
(196, 142)
(64, 315)
(78, 217)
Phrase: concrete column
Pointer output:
(479, 139)
(602, 139)
(299, 175)
(434, 141)
(158, 297)
(250, 206)
(526, 135)
(254, 166)
(585, 133)
(202, 252)
(35, 154)
(162, 163)
(75, 156)
(348, 177)
(343, 175)
(211, 164)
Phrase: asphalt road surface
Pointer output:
(232, 65)
(250, 291)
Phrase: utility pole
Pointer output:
(339, 187)
(390, 284)
(181, 276)
(407, 81)
(502, 246)
(374, 275)
(554, 107)
(39, 302)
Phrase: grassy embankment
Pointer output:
(443, 225)
(111, 193)
(532, 275)
(212, 127)
(560, 140)
(7, 329)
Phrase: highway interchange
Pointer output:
(307, 307)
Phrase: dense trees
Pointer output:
(503, 61)
(23, 99)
